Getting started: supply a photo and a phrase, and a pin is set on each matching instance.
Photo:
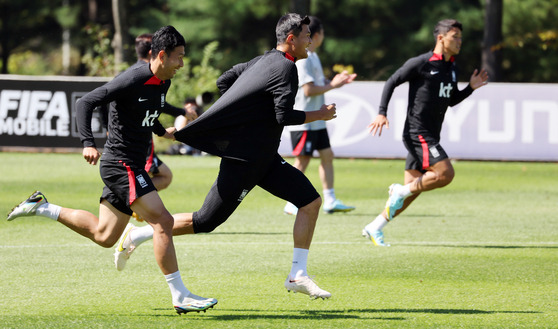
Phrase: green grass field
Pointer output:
(480, 253)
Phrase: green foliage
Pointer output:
(530, 40)
(28, 62)
(100, 58)
(374, 36)
(461, 257)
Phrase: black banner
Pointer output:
(40, 111)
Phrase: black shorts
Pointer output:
(305, 142)
(152, 164)
(124, 184)
(152, 161)
(423, 152)
(237, 178)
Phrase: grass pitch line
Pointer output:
(481, 244)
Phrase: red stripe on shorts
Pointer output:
(149, 161)
(132, 184)
(425, 154)
(298, 149)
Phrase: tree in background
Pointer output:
(374, 36)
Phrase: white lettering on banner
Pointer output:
(455, 118)
(485, 135)
(352, 111)
(528, 120)
(54, 121)
(501, 121)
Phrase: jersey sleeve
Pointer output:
(158, 128)
(173, 110)
(227, 79)
(405, 73)
(283, 84)
(100, 96)
(459, 96)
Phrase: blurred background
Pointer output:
(515, 40)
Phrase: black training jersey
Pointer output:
(246, 122)
(139, 99)
(432, 88)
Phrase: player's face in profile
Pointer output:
(173, 61)
(302, 42)
(452, 41)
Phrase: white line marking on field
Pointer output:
(402, 243)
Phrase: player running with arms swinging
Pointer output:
(139, 97)
(244, 128)
(433, 87)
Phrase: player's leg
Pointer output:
(289, 183)
(303, 148)
(151, 208)
(326, 171)
(103, 230)
(374, 230)
(163, 177)
(223, 198)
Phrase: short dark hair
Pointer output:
(315, 25)
(143, 45)
(444, 26)
(289, 23)
(166, 38)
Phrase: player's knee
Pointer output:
(313, 207)
(445, 177)
(106, 240)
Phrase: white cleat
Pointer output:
(125, 248)
(395, 201)
(306, 285)
(377, 237)
(337, 206)
(194, 303)
(29, 206)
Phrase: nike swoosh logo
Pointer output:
(142, 99)
(283, 162)
(434, 72)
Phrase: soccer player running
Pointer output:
(244, 128)
(433, 87)
(160, 173)
(308, 137)
(139, 96)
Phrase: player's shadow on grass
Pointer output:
(333, 314)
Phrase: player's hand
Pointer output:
(342, 79)
(191, 113)
(329, 111)
(169, 134)
(478, 79)
(378, 124)
(91, 155)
